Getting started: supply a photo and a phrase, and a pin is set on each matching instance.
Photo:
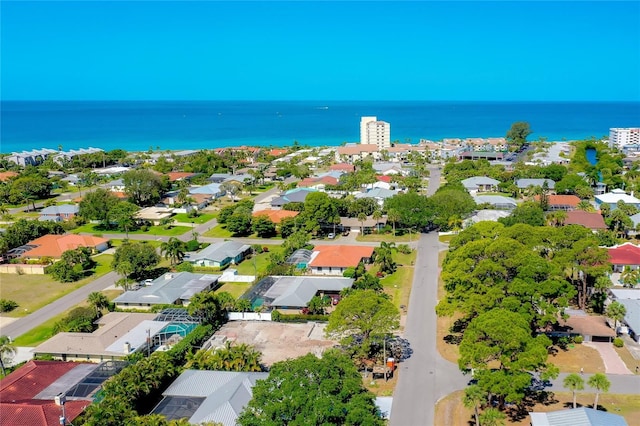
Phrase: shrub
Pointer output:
(144, 228)
(298, 317)
(192, 245)
(265, 249)
(578, 339)
(404, 248)
(618, 342)
(7, 305)
(275, 315)
(184, 267)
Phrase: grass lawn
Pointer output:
(576, 357)
(199, 220)
(380, 387)
(261, 261)
(235, 289)
(451, 412)
(117, 242)
(628, 359)
(32, 292)
(389, 238)
(219, 231)
(445, 238)
(398, 284)
(92, 228)
(40, 333)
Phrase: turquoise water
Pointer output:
(591, 156)
(211, 124)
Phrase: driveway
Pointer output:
(612, 362)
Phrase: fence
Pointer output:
(20, 269)
(249, 316)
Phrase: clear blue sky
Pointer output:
(508, 50)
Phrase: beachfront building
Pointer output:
(350, 153)
(31, 158)
(620, 137)
(375, 132)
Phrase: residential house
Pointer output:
(213, 190)
(72, 180)
(54, 245)
(178, 176)
(318, 183)
(59, 213)
(335, 259)
(296, 195)
(31, 158)
(387, 169)
(119, 335)
(220, 254)
(612, 199)
(624, 255)
(154, 215)
(481, 155)
(369, 225)
(116, 185)
(378, 194)
(600, 188)
(352, 153)
(593, 328)
(635, 219)
(208, 396)
(219, 177)
(591, 220)
(27, 395)
(630, 299)
(169, 289)
(276, 216)
(497, 202)
(581, 416)
(343, 167)
(560, 202)
(289, 294)
(480, 184)
(527, 184)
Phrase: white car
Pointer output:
(331, 236)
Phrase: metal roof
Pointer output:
(218, 252)
(298, 291)
(632, 317)
(577, 417)
(220, 396)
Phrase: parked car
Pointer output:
(345, 232)
(331, 236)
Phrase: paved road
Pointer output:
(625, 384)
(25, 324)
(426, 376)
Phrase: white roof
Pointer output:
(615, 196)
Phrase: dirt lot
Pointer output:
(278, 341)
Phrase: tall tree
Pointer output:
(134, 259)
(474, 397)
(144, 187)
(173, 250)
(574, 383)
(518, 133)
(600, 383)
(97, 204)
(312, 391)
(616, 311)
(98, 300)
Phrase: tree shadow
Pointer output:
(453, 339)
(519, 412)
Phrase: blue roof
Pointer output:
(577, 417)
(211, 189)
(61, 209)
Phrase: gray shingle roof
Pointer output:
(473, 182)
(526, 183)
(298, 291)
(218, 252)
(61, 209)
(169, 288)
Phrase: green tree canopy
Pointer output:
(518, 133)
(143, 187)
(312, 391)
(97, 204)
(139, 258)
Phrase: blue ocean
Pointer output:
(175, 125)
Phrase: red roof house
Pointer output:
(561, 202)
(276, 216)
(335, 259)
(593, 221)
(344, 167)
(626, 254)
(54, 245)
(23, 402)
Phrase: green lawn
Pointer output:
(175, 231)
(235, 289)
(398, 284)
(261, 262)
(199, 220)
(40, 333)
(445, 238)
(219, 231)
(117, 242)
(32, 292)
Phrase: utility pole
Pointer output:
(148, 342)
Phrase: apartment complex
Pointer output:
(375, 132)
(619, 137)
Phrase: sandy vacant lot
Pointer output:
(278, 341)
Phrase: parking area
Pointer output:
(278, 341)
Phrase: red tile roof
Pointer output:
(561, 200)
(340, 256)
(625, 254)
(174, 176)
(383, 178)
(343, 166)
(587, 219)
(55, 245)
(276, 216)
(312, 181)
(357, 149)
(7, 175)
(17, 390)
(277, 152)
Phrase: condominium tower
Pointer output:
(374, 132)
(619, 137)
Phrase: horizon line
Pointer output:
(332, 100)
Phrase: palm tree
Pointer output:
(455, 223)
(473, 398)
(393, 216)
(362, 217)
(630, 277)
(616, 311)
(7, 351)
(98, 300)
(601, 384)
(492, 417)
(584, 205)
(173, 250)
(574, 383)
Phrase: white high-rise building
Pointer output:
(619, 137)
(375, 132)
